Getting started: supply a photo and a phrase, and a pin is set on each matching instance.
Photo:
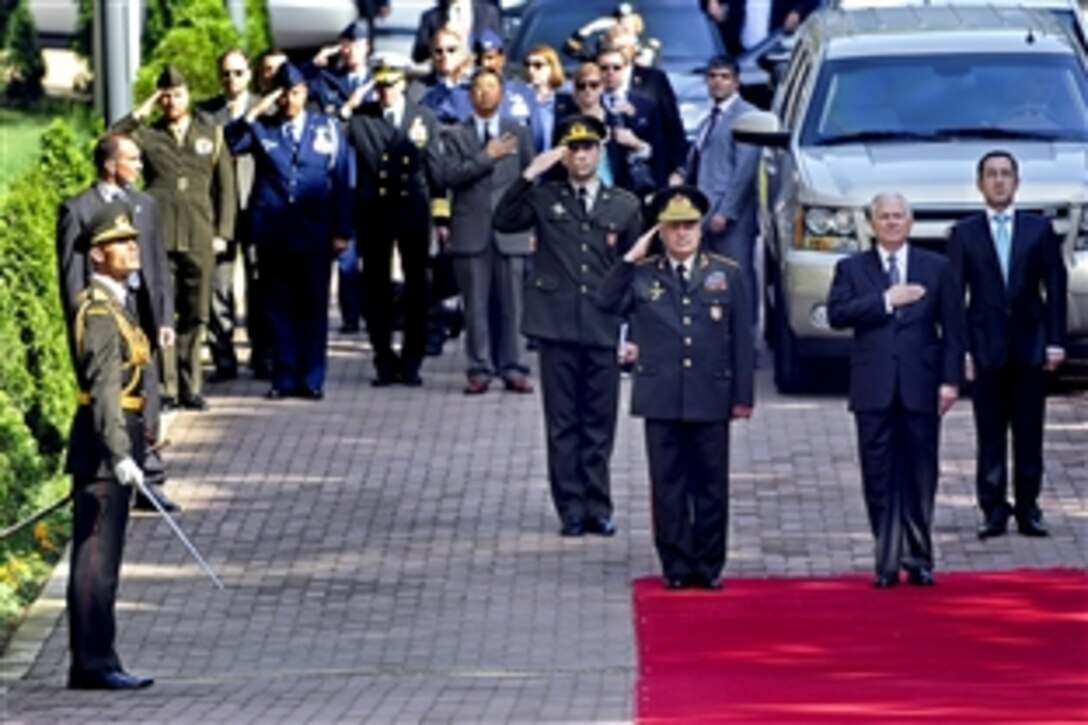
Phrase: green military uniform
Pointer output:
(110, 354)
(192, 179)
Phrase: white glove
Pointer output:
(128, 473)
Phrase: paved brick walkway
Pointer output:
(391, 555)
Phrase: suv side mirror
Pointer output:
(760, 128)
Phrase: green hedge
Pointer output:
(37, 387)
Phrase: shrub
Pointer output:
(25, 65)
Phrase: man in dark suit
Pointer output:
(191, 176)
(744, 24)
(483, 157)
(905, 370)
(110, 354)
(117, 162)
(234, 102)
(1009, 264)
(725, 171)
(693, 375)
(371, 10)
(653, 83)
(581, 228)
(301, 217)
(641, 113)
(397, 149)
(467, 17)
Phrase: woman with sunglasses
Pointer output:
(545, 76)
(623, 161)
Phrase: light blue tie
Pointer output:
(1003, 243)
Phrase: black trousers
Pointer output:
(580, 389)
(898, 451)
(376, 243)
(689, 479)
(100, 515)
(1010, 398)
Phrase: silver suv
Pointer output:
(907, 99)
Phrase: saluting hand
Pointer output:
(642, 246)
(262, 106)
(147, 106)
(544, 161)
(323, 55)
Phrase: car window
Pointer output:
(687, 38)
(1010, 95)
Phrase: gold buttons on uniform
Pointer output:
(687, 342)
(687, 320)
(585, 227)
(183, 183)
(687, 300)
(687, 362)
(585, 268)
(584, 289)
(585, 247)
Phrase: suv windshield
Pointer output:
(939, 97)
(686, 38)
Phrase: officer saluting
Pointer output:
(106, 440)
(693, 375)
(581, 228)
(191, 176)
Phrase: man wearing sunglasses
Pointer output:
(234, 102)
(445, 89)
(467, 17)
(582, 227)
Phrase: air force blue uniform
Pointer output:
(301, 202)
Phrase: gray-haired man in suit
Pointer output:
(484, 156)
(725, 171)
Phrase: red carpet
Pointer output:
(977, 647)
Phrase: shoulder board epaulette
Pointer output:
(652, 259)
(624, 194)
(722, 259)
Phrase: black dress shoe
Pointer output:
(921, 577)
(572, 529)
(411, 380)
(349, 328)
(884, 581)
(115, 680)
(314, 394)
(675, 582)
(600, 525)
(995, 524)
(275, 394)
(144, 504)
(194, 402)
(168, 403)
(1032, 526)
(712, 583)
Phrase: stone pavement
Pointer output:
(391, 555)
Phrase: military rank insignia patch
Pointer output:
(656, 291)
(323, 143)
(558, 210)
(716, 282)
(203, 146)
(417, 132)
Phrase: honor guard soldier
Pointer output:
(396, 144)
(191, 176)
(581, 228)
(106, 440)
(300, 218)
(693, 375)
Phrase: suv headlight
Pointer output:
(1080, 241)
(826, 229)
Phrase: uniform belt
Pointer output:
(128, 402)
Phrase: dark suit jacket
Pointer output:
(301, 194)
(155, 299)
(619, 160)
(733, 26)
(574, 252)
(484, 15)
(477, 184)
(369, 8)
(1013, 323)
(913, 352)
(696, 354)
(654, 83)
